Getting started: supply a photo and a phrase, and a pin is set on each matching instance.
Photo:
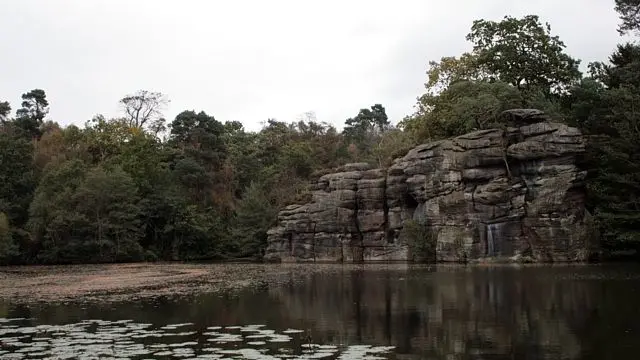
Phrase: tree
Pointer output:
(201, 158)
(50, 147)
(30, 116)
(364, 129)
(451, 69)
(17, 180)
(514, 63)
(462, 107)
(34, 105)
(145, 108)
(623, 68)
(523, 53)
(7, 248)
(108, 199)
(254, 215)
(393, 143)
(371, 119)
(243, 150)
(5, 110)
(199, 135)
(605, 107)
(55, 227)
(82, 214)
(587, 108)
(105, 137)
(629, 11)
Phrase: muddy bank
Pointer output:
(124, 282)
(130, 282)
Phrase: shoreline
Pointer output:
(139, 281)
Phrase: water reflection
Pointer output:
(444, 313)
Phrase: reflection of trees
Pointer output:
(454, 313)
(503, 312)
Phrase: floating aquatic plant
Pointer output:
(127, 339)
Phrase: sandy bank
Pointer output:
(118, 282)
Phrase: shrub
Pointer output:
(421, 241)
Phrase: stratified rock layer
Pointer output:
(501, 194)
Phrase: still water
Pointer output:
(445, 312)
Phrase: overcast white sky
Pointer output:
(250, 60)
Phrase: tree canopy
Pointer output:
(629, 11)
(515, 62)
(523, 53)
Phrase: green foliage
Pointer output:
(285, 154)
(108, 199)
(254, 215)
(606, 108)
(394, 143)
(16, 175)
(30, 117)
(451, 69)
(367, 120)
(364, 133)
(462, 107)
(587, 106)
(629, 11)
(7, 248)
(104, 138)
(5, 110)
(51, 214)
(82, 214)
(367, 124)
(514, 63)
(421, 241)
(523, 53)
(199, 135)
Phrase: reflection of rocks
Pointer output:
(451, 314)
(474, 312)
(513, 193)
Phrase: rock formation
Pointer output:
(514, 193)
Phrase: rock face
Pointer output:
(513, 194)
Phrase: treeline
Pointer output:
(140, 187)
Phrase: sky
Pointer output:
(253, 60)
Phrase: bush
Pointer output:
(150, 256)
(420, 240)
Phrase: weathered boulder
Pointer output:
(515, 194)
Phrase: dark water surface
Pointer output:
(563, 312)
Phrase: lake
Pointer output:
(350, 312)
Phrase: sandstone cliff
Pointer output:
(514, 193)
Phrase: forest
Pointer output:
(143, 188)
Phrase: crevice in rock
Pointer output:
(357, 238)
(388, 236)
(526, 212)
(505, 145)
(313, 242)
(410, 203)
(473, 197)
(289, 237)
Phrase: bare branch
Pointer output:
(143, 107)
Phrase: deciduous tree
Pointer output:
(523, 52)
(144, 108)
